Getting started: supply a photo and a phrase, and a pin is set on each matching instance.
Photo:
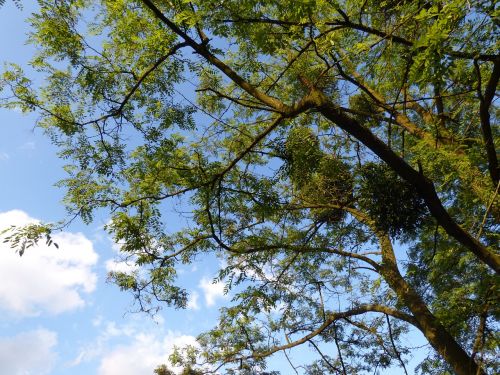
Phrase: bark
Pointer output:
(331, 112)
(484, 115)
(437, 335)
(422, 184)
(472, 175)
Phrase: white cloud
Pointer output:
(4, 156)
(143, 354)
(28, 353)
(116, 246)
(131, 349)
(116, 265)
(96, 348)
(135, 348)
(192, 303)
(211, 291)
(45, 279)
(75, 362)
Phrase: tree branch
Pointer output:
(202, 50)
(484, 114)
(424, 186)
(326, 359)
(366, 29)
(394, 345)
(437, 335)
(331, 318)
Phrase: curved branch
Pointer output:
(137, 84)
(202, 50)
(484, 114)
(295, 248)
(437, 335)
(424, 186)
(345, 22)
(331, 318)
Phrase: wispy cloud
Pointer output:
(30, 145)
(4, 156)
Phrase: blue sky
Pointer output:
(57, 313)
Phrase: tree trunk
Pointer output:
(437, 335)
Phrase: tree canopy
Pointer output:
(338, 156)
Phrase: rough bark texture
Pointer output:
(429, 325)
(424, 187)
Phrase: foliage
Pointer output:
(311, 144)
(392, 202)
(164, 370)
(302, 155)
(22, 238)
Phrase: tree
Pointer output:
(325, 139)
(164, 370)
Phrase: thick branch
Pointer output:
(484, 114)
(477, 184)
(366, 29)
(202, 50)
(333, 317)
(437, 335)
(424, 186)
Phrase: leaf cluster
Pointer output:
(393, 203)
